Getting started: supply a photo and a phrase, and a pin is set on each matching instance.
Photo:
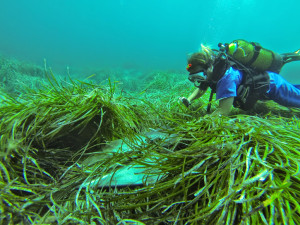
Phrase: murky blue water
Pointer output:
(156, 34)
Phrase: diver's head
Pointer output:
(200, 61)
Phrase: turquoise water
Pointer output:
(156, 34)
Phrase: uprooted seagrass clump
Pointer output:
(228, 170)
(45, 131)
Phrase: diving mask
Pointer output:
(198, 78)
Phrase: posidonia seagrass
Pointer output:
(240, 169)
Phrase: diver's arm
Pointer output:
(197, 93)
(225, 106)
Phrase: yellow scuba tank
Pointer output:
(252, 55)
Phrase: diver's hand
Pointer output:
(185, 101)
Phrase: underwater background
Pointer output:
(141, 35)
(92, 130)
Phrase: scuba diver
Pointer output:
(241, 73)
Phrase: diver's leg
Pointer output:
(283, 92)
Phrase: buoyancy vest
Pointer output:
(253, 88)
(254, 83)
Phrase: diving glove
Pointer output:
(185, 101)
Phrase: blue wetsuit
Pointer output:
(280, 91)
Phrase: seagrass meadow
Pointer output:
(240, 169)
